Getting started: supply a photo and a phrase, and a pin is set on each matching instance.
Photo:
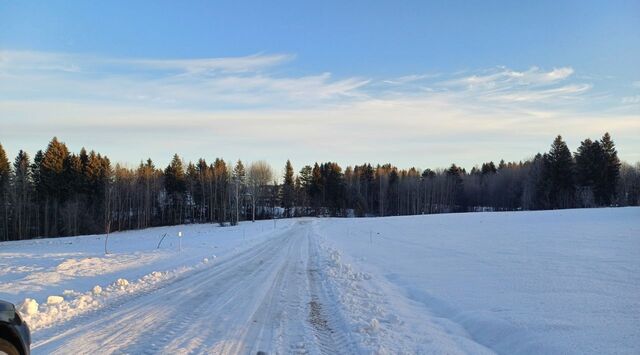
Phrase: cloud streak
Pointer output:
(251, 107)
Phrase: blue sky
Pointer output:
(422, 83)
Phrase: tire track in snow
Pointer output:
(133, 314)
(330, 329)
(272, 297)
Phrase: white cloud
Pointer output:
(77, 62)
(205, 82)
(505, 77)
(631, 99)
(252, 108)
(409, 79)
(193, 66)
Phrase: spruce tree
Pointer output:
(175, 185)
(5, 176)
(590, 169)
(221, 178)
(288, 189)
(22, 192)
(612, 169)
(559, 169)
(239, 172)
(239, 180)
(55, 185)
(174, 176)
(489, 168)
(316, 190)
(457, 200)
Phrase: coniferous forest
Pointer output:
(59, 193)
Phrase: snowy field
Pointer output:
(526, 282)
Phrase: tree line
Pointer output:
(59, 193)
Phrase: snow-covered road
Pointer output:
(270, 297)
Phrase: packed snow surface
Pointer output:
(565, 282)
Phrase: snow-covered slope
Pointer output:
(527, 282)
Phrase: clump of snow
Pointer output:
(53, 300)
(374, 325)
(28, 307)
(122, 283)
(205, 261)
(362, 305)
(153, 277)
(57, 309)
(84, 301)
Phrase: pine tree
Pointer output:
(612, 169)
(288, 189)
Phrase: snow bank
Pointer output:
(72, 303)
(378, 328)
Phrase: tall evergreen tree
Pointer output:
(288, 190)
(316, 189)
(22, 194)
(5, 176)
(55, 185)
(456, 187)
(175, 185)
(589, 173)
(612, 169)
(559, 169)
(333, 187)
(239, 176)
(221, 178)
(239, 172)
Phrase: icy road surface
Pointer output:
(553, 282)
(270, 297)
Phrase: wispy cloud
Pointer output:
(409, 78)
(66, 62)
(505, 77)
(206, 82)
(231, 106)
(631, 99)
(211, 65)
